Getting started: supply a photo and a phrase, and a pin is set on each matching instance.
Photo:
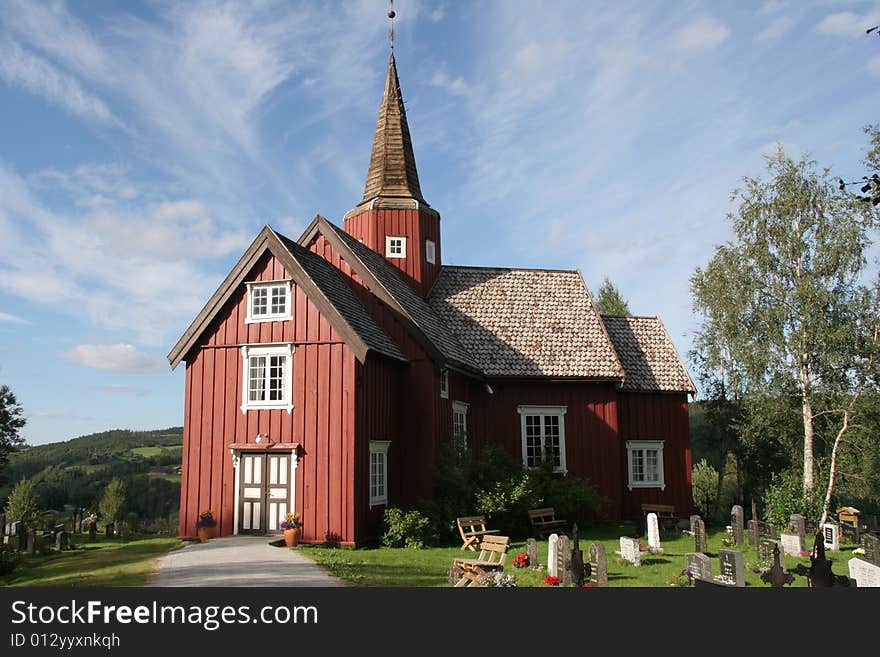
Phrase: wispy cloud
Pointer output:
(456, 86)
(874, 65)
(114, 357)
(702, 34)
(847, 23)
(12, 319)
(776, 29)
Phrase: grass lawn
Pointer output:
(429, 567)
(103, 563)
(155, 450)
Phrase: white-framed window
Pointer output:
(645, 464)
(444, 384)
(267, 377)
(543, 435)
(395, 247)
(379, 472)
(459, 423)
(268, 302)
(430, 252)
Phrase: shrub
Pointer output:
(113, 501)
(24, 504)
(9, 559)
(705, 486)
(405, 528)
(785, 496)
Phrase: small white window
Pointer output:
(459, 423)
(430, 252)
(268, 302)
(395, 247)
(267, 376)
(444, 384)
(379, 472)
(543, 435)
(645, 461)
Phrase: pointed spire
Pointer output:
(392, 172)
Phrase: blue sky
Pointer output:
(143, 146)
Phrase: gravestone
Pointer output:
(62, 541)
(865, 573)
(698, 565)
(577, 558)
(31, 542)
(553, 555)
(93, 531)
(733, 567)
(753, 533)
(598, 565)
(831, 536)
(698, 529)
(736, 522)
(871, 546)
(629, 550)
(532, 550)
(109, 530)
(3, 522)
(799, 524)
(777, 576)
(766, 547)
(654, 534)
(563, 552)
(792, 544)
(852, 533)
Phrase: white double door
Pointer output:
(265, 484)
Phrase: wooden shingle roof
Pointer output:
(651, 362)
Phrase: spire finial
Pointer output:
(391, 15)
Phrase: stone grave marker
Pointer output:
(563, 569)
(733, 567)
(654, 534)
(532, 550)
(629, 550)
(110, 530)
(62, 541)
(577, 558)
(831, 536)
(766, 546)
(777, 576)
(699, 565)
(32, 542)
(865, 573)
(736, 522)
(698, 529)
(819, 574)
(3, 522)
(553, 555)
(871, 546)
(799, 524)
(93, 531)
(753, 533)
(792, 544)
(598, 565)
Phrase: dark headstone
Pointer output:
(799, 525)
(736, 522)
(532, 549)
(852, 533)
(753, 533)
(61, 539)
(871, 546)
(577, 559)
(766, 547)
(698, 529)
(70, 544)
(563, 556)
(698, 565)
(598, 565)
(777, 576)
(733, 567)
(754, 510)
(109, 530)
(31, 542)
(93, 531)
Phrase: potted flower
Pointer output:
(521, 560)
(291, 526)
(206, 525)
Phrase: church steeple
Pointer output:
(392, 172)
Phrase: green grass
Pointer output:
(103, 563)
(429, 567)
(155, 450)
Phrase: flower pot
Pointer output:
(291, 537)
(206, 533)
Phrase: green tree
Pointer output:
(705, 486)
(786, 306)
(11, 422)
(112, 503)
(23, 504)
(610, 301)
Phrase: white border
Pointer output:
(288, 314)
(377, 446)
(388, 253)
(276, 349)
(430, 252)
(236, 460)
(645, 444)
(524, 410)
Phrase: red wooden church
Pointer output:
(324, 372)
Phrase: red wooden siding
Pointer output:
(322, 420)
(646, 416)
(372, 226)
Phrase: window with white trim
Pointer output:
(645, 463)
(430, 252)
(459, 423)
(268, 302)
(379, 472)
(543, 435)
(267, 377)
(395, 247)
(444, 384)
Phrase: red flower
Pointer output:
(521, 560)
(586, 586)
(550, 580)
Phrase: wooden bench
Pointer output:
(665, 513)
(493, 554)
(472, 530)
(544, 521)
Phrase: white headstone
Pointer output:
(792, 544)
(831, 534)
(865, 573)
(654, 534)
(629, 550)
(552, 555)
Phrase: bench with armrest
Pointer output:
(544, 521)
(472, 530)
(493, 553)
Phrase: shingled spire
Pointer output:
(392, 172)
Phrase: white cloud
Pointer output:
(12, 319)
(36, 75)
(438, 14)
(772, 148)
(703, 34)
(874, 65)
(114, 357)
(555, 231)
(455, 86)
(776, 29)
(847, 23)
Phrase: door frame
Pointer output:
(292, 453)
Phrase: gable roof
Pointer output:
(321, 282)
(526, 322)
(386, 282)
(649, 358)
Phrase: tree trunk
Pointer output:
(807, 410)
(832, 475)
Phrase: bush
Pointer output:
(9, 559)
(24, 505)
(705, 486)
(113, 502)
(408, 529)
(785, 496)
